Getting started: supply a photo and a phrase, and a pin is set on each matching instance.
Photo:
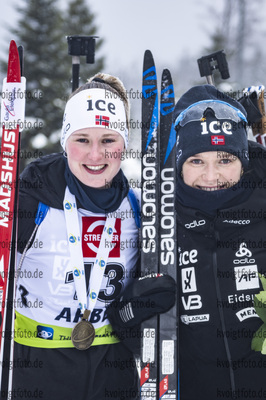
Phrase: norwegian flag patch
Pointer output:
(102, 120)
(217, 139)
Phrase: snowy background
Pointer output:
(169, 28)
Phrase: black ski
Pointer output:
(150, 222)
(168, 331)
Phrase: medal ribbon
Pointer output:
(76, 255)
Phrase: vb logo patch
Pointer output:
(92, 229)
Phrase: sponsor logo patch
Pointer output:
(45, 332)
(246, 313)
(243, 251)
(246, 277)
(92, 228)
(189, 319)
(188, 280)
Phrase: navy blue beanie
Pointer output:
(216, 123)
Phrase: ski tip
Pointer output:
(148, 52)
(166, 74)
(21, 59)
(13, 47)
(12, 44)
(13, 74)
(148, 55)
(148, 62)
(166, 71)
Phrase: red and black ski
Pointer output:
(12, 119)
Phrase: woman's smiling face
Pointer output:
(212, 170)
(94, 155)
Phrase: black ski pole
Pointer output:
(80, 46)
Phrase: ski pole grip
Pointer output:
(207, 64)
(80, 46)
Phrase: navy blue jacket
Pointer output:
(220, 258)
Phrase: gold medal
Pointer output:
(83, 333)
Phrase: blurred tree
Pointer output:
(79, 20)
(42, 30)
(238, 28)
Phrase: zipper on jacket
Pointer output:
(219, 298)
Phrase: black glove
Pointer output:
(145, 297)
